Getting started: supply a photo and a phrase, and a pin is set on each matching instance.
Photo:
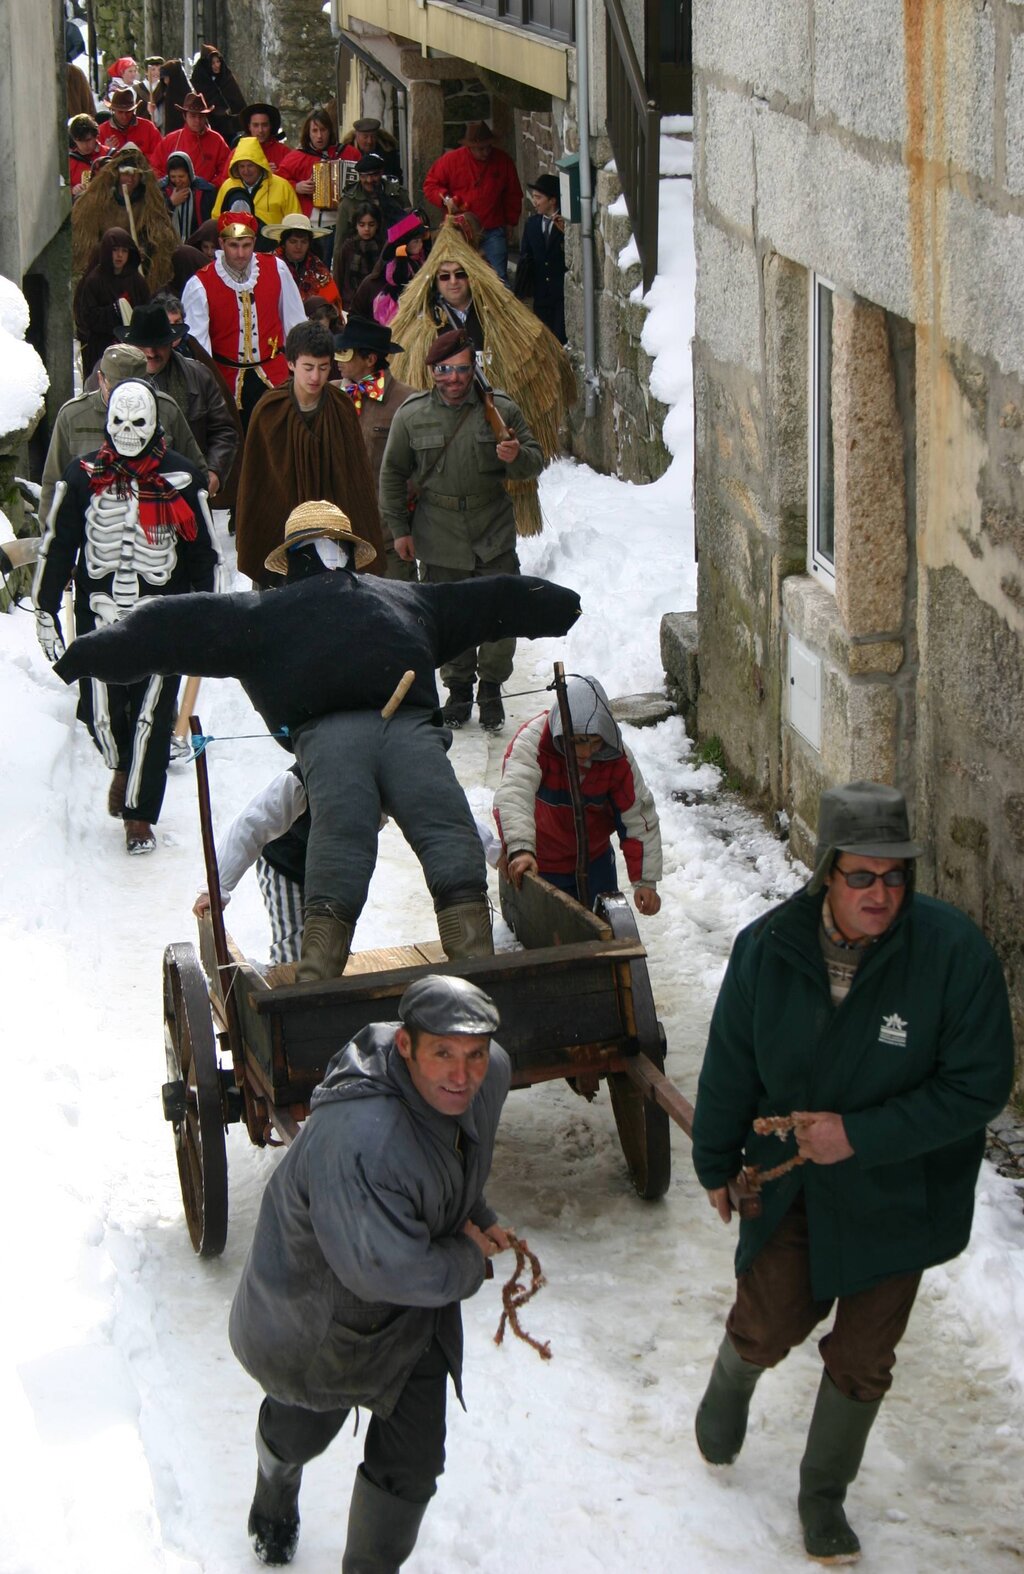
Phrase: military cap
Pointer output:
(448, 343)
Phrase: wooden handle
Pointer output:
(405, 683)
(188, 705)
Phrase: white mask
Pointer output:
(131, 417)
(333, 554)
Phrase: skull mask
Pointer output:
(131, 418)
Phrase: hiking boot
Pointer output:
(459, 705)
(274, 1517)
(326, 942)
(464, 929)
(836, 1440)
(382, 1529)
(115, 796)
(488, 703)
(721, 1423)
(139, 837)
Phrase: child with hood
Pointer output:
(112, 277)
(533, 808)
(357, 257)
(188, 198)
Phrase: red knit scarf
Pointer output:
(161, 505)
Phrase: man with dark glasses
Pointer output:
(869, 1027)
(453, 306)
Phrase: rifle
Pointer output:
(502, 432)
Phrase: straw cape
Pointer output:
(523, 358)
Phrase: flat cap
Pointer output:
(448, 343)
(369, 164)
(367, 124)
(443, 1003)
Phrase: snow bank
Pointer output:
(24, 381)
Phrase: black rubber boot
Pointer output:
(458, 706)
(836, 1439)
(382, 1529)
(492, 711)
(274, 1516)
(721, 1423)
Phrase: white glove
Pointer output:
(49, 636)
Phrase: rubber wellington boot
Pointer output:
(382, 1529)
(458, 706)
(274, 1516)
(721, 1423)
(835, 1447)
(326, 942)
(489, 706)
(464, 929)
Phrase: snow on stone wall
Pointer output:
(23, 379)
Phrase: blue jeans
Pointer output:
(601, 877)
(494, 247)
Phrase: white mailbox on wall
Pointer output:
(805, 692)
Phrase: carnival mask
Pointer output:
(131, 418)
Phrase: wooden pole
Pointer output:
(187, 706)
(572, 771)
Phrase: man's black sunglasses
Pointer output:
(860, 879)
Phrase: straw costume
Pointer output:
(144, 216)
(522, 356)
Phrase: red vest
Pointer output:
(245, 327)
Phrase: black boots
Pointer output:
(274, 1516)
(326, 942)
(459, 705)
(835, 1447)
(721, 1423)
(382, 1529)
(488, 703)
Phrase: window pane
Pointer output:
(824, 501)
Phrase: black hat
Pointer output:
(444, 1003)
(370, 164)
(363, 333)
(262, 109)
(150, 325)
(547, 185)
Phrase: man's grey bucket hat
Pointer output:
(862, 817)
(442, 1003)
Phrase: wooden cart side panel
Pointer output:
(540, 915)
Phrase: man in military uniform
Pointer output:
(463, 527)
(390, 201)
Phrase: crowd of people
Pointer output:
(279, 330)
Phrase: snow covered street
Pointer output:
(129, 1423)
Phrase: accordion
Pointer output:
(327, 183)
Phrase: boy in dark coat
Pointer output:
(873, 1024)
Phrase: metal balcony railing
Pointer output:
(634, 129)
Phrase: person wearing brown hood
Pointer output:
(170, 94)
(124, 192)
(113, 278)
(213, 77)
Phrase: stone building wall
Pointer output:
(881, 147)
(282, 49)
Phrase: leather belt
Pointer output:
(460, 504)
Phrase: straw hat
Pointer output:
(294, 224)
(316, 521)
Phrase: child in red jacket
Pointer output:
(533, 808)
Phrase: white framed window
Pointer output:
(821, 547)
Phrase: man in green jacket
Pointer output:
(872, 1024)
(442, 452)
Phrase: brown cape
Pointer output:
(287, 463)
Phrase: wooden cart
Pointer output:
(244, 1047)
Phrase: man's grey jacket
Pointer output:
(358, 1261)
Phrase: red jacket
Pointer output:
(298, 165)
(209, 153)
(142, 132)
(489, 189)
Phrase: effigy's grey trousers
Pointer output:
(356, 765)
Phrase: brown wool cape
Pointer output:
(288, 462)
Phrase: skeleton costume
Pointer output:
(129, 521)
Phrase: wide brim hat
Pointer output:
(195, 104)
(294, 224)
(869, 818)
(261, 109)
(364, 333)
(317, 521)
(123, 98)
(150, 325)
(477, 133)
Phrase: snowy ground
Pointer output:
(129, 1424)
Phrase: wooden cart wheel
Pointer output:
(643, 1126)
(193, 1100)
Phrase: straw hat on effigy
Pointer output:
(522, 357)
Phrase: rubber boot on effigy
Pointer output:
(326, 943)
(274, 1516)
(382, 1529)
(464, 929)
(835, 1447)
(721, 1422)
